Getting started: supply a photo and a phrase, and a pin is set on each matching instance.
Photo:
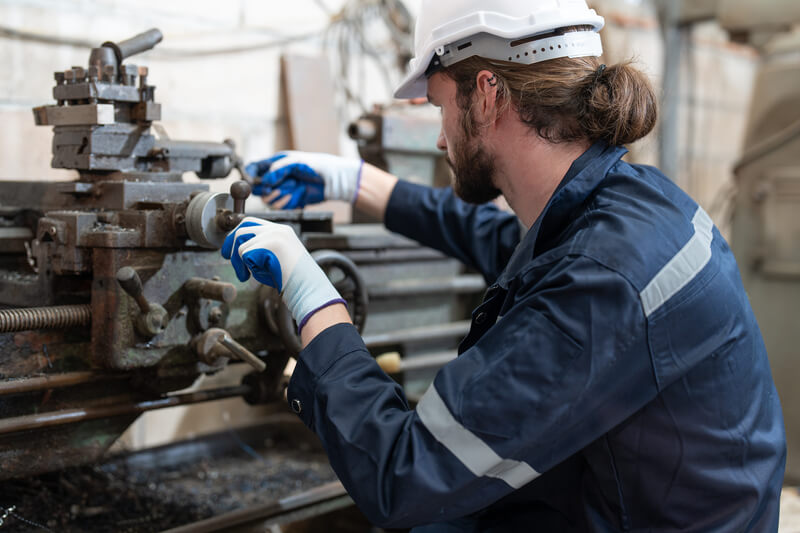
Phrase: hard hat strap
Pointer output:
(434, 66)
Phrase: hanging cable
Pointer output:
(346, 39)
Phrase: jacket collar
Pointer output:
(578, 184)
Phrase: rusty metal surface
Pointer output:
(53, 381)
(72, 416)
(31, 453)
(36, 352)
(39, 450)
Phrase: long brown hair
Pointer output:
(567, 99)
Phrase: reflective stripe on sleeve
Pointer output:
(475, 454)
(682, 268)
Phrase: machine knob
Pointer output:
(210, 289)
(240, 191)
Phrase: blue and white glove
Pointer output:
(307, 178)
(274, 255)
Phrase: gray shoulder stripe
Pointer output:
(475, 454)
(682, 268)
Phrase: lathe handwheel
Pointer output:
(346, 279)
(201, 218)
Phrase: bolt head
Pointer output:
(215, 315)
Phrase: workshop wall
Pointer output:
(632, 33)
(717, 79)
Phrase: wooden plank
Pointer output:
(308, 94)
(310, 104)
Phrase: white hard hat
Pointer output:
(520, 31)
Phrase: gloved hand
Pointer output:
(307, 178)
(274, 255)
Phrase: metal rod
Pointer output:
(54, 381)
(428, 360)
(390, 256)
(131, 283)
(392, 363)
(330, 492)
(211, 289)
(675, 40)
(136, 44)
(423, 333)
(16, 233)
(242, 353)
(466, 284)
(69, 416)
(29, 318)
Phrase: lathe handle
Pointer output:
(130, 282)
(135, 45)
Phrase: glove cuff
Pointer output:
(320, 308)
(344, 181)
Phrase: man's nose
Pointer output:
(441, 143)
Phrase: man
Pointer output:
(614, 378)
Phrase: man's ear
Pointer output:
(485, 106)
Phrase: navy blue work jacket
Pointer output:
(614, 378)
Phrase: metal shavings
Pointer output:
(7, 511)
(30, 258)
(26, 521)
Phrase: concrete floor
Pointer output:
(790, 511)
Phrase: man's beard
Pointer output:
(473, 168)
